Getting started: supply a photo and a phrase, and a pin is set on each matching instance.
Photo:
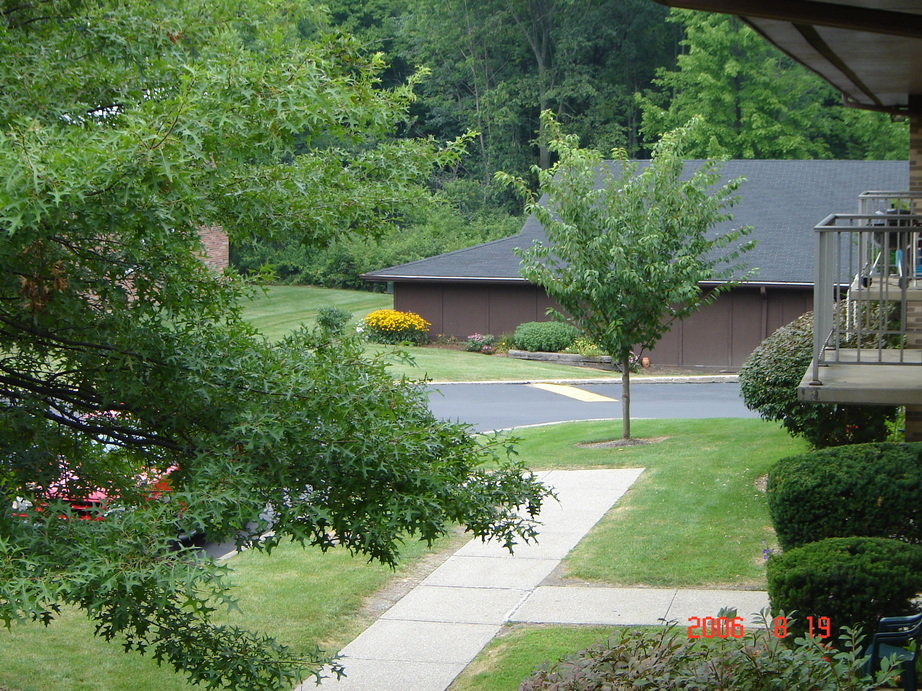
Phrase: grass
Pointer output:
(301, 597)
(694, 517)
(281, 309)
(441, 364)
(518, 650)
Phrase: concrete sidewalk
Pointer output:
(430, 635)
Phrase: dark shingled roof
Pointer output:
(782, 200)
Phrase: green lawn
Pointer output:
(517, 650)
(440, 364)
(695, 516)
(302, 597)
(281, 309)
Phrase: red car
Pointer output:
(95, 504)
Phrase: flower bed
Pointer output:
(395, 327)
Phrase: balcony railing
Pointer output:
(868, 290)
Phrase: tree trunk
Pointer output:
(537, 26)
(626, 395)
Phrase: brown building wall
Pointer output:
(724, 333)
(462, 309)
(719, 336)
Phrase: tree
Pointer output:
(756, 102)
(627, 247)
(496, 64)
(124, 126)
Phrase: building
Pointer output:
(868, 288)
(478, 289)
(215, 246)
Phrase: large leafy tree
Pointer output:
(125, 126)
(757, 102)
(497, 64)
(627, 248)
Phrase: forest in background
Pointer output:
(618, 73)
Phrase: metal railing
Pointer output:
(867, 303)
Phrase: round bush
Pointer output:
(866, 489)
(548, 337)
(852, 580)
(769, 380)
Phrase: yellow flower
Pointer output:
(394, 321)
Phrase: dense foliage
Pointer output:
(435, 228)
(863, 489)
(757, 102)
(628, 246)
(548, 337)
(668, 659)
(768, 384)
(124, 126)
(497, 64)
(852, 580)
(614, 72)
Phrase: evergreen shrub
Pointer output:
(868, 490)
(550, 337)
(769, 380)
(852, 580)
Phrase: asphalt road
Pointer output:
(502, 406)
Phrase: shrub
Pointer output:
(667, 658)
(504, 343)
(769, 380)
(865, 489)
(548, 337)
(393, 326)
(333, 320)
(480, 343)
(583, 346)
(852, 580)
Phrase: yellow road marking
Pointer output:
(573, 392)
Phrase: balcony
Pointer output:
(867, 344)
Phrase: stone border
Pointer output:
(575, 359)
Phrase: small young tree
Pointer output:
(627, 247)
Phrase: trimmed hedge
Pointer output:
(769, 380)
(852, 580)
(865, 490)
(550, 337)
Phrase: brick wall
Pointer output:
(217, 248)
